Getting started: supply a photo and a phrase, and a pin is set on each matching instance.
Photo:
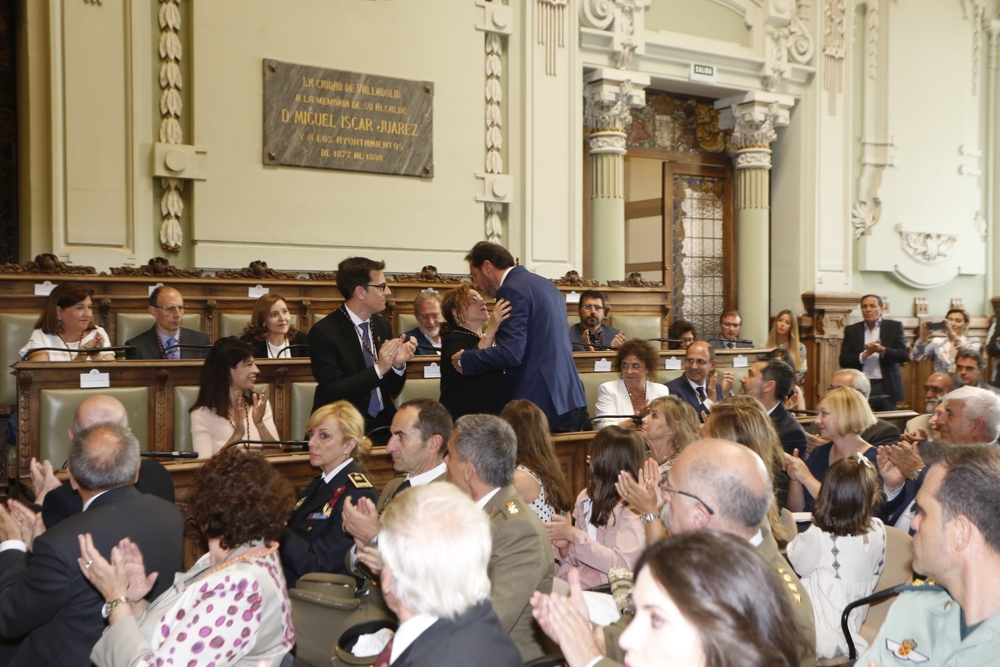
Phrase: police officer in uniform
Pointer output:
(314, 540)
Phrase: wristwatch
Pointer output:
(110, 606)
(646, 518)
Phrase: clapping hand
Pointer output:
(360, 520)
(560, 531)
(31, 523)
(43, 479)
(125, 575)
(259, 406)
(891, 476)
(641, 495)
(565, 621)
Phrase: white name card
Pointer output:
(258, 291)
(95, 379)
(672, 364)
(153, 287)
(432, 370)
(44, 289)
(739, 361)
(572, 297)
(602, 366)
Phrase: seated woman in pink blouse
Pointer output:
(227, 409)
(605, 533)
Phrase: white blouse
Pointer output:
(210, 432)
(39, 339)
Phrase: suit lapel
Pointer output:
(349, 334)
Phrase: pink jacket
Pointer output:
(618, 544)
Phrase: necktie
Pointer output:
(382, 659)
(701, 394)
(174, 353)
(731, 345)
(402, 487)
(373, 407)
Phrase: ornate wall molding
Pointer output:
(497, 186)
(927, 248)
(550, 20)
(978, 16)
(872, 22)
(171, 105)
(597, 13)
(788, 37)
(863, 218)
(623, 19)
(979, 222)
(834, 49)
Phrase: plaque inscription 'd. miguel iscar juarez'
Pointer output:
(331, 119)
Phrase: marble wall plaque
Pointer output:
(331, 119)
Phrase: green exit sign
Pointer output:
(705, 70)
(705, 73)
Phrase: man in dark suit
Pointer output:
(44, 598)
(730, 325)
(354, 356)
(770, 382)
(692, 385)
(531, 345)
(591, 330)
(876, 347)
(166, 305)
(970, 366)
(445, 615)
(427, 310)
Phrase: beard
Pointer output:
(431, 333)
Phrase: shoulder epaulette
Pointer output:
(359, 480)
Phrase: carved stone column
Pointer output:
(753, 117)
(609, 96)
(823, 333)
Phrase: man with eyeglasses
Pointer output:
(692, 385)
(590, 333)
(161, 341)
(427, 309)
(354, 355)
(730, 325)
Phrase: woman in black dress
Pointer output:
(465, 313)
(270, 331)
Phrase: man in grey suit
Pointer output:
(44, 598)
(166, 305)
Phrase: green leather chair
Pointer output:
(233, 324)
(591, 381)
(303, 394)
(405, 322)
(184, 398)
(59, 405)
(130, 325)
(318, 316)
(638, 326)
(15, 330)
(419, 388)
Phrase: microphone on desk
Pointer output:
(731, 340)
(436, 351)
(186, 347)
(635, 418)
(808, 413)
(88, 350)
(298, 444)
(170, 455)
(377, 430)
(278, 354)
(583, 347)
(666, 340)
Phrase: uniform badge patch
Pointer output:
(359, 480)
(905, 651)
(512, 507)
(299, 504)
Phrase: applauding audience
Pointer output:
(539, 479)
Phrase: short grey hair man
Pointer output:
(444, 611)
(102, 457)
(490, 445)
(857, 380)
(977, 423)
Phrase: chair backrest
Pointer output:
(130, 325)
(638, 326)
(405, 322)
(303, 394)
(591, 381)
(233, 324)
(15, 330)
(898, 570)
(419, 388)
(59, 405)
(318, 316)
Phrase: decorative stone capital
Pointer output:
(609, 96)
(753, 117)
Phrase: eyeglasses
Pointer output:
(429, 316)
(591, 306)
(381, 286)
(696, 362)
(671, 490)
(173, 310)
(638, 366)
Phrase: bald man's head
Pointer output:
(103, 456)
(718, 484)
(99, 409)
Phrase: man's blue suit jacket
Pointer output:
(532, 347)
(681, 388)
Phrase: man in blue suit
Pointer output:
(692, 386)
(531, 344)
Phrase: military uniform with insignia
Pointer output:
(924, 627)
(314, 540)
(521, 563)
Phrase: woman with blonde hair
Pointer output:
(743, 419)
(538, 478)
(785, 333)
(843, 416)
(314, 540)
(270, 332)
